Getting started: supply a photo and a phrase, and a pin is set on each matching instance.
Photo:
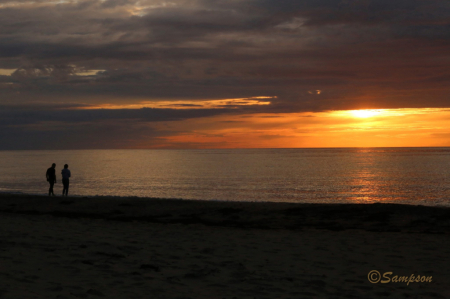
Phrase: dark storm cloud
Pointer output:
(62, 127)
(358, 54)
(94, 135)
(13, 116)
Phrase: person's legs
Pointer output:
(66, 187)
(50, 190)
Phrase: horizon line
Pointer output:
(236, 148)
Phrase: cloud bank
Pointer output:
(306, 55)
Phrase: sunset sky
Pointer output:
(224, 73)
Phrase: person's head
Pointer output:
(66, 166)
(53, 165)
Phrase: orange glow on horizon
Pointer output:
(407, 127)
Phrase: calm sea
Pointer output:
(347, 175)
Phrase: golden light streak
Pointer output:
(88, 72)
(15, 4)
(7, 72)
(188, 104)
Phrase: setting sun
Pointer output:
(365, 113)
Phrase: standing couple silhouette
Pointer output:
(51, 178)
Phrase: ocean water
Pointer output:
(345, 175)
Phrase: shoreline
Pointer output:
(131, 197)
(377, 217)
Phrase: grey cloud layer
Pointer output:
(359, 54)
(275, 47)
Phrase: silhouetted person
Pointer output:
(65, 179)
(51, 178)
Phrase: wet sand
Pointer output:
(157, 248)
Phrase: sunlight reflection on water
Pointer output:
(355, 175)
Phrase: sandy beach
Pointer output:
(93, 247)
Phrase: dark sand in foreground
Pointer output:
(154, 248)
